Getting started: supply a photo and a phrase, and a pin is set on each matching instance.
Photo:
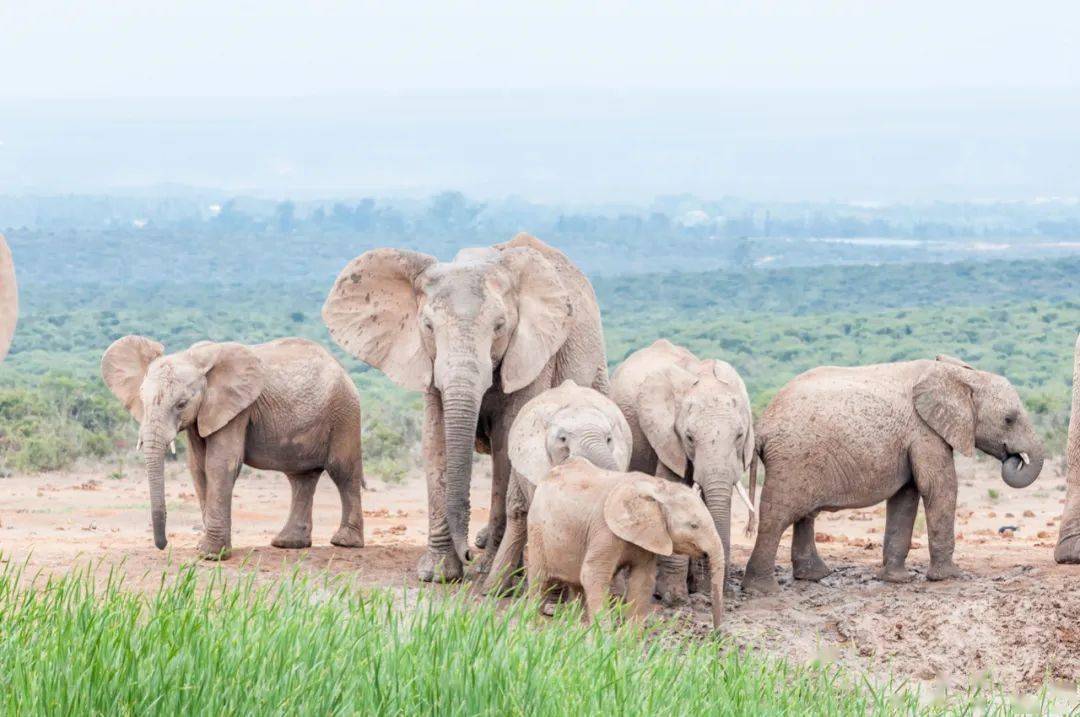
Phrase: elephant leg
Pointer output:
(935, 477)
(671, 580)
(500, 482)
(196, 460)
(1068, 546)
(639, 589)
(349, 479)
(596, 573)
(900, 511)
(759, 578)
(439, 563)
(297, 530)
(224, 457)
(698, 577)
(502, 575)
(806, 562)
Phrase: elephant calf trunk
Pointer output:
(716, 582)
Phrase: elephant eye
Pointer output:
(500, 324)
(689, 437)
(428, 325)
(694, 526)
(609, 440)
(181, 404)
(1009, 420)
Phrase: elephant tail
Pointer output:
(751, 520)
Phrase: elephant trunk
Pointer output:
(1022, 465)
(596, 450)
(154, 458)
(716, 485)
(461, 408)
(1068, 545)
(717, 561)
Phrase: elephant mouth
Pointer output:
(1016, 461)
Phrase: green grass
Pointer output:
(86, 644)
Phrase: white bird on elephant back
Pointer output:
(480, 335)
(691, 423)
(9, 298)
(1068, 545)
(850, 437)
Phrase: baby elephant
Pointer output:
(287, 405)
(586, 523)
(837, 438)
(561, 423)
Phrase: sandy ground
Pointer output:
(1014, 617)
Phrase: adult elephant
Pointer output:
(481, 335)
(1068, 545)
(9, 298)
(691, 422)
(837, 438)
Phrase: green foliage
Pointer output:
(85, 644)
(50, 423)
(770, 325)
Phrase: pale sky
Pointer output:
(276, 48)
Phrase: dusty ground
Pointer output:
(1015, 615)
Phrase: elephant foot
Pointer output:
(760, 584)
(213, 549)
(898, 574)
(292, 539)
(1068, 550)
(482, 537)
(943, 571)
(348, 537)
(482, 564)
(815, 570)
(439, 567)
(503, 586)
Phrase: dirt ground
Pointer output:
(1014, 617)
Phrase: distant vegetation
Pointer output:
(1019, 318)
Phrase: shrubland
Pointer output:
(1018, 318)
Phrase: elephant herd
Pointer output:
(594, 476)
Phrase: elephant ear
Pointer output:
(544, 313)
(234, 379)
(9, 298)
(943, 399)
(726, 372)
(373, 313)
(657, 404)
(527, 441)
(123, 367)
(633, 511)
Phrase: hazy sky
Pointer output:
(554, 101)
(229, 48)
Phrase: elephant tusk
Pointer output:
(745, 498)
(172, 447)
(138, 444)
(1024, 460)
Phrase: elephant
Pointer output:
(480, 335)
(561, 423)
(286, 405)
(9, 298)
(691, 422)
(586, 523)
(850, 437)
(1068, 545)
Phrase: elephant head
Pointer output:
(698, 421)
(204, 387)
(489, 317)
(972, 409)
(9, 298)
(664, 517)
(565, 422)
